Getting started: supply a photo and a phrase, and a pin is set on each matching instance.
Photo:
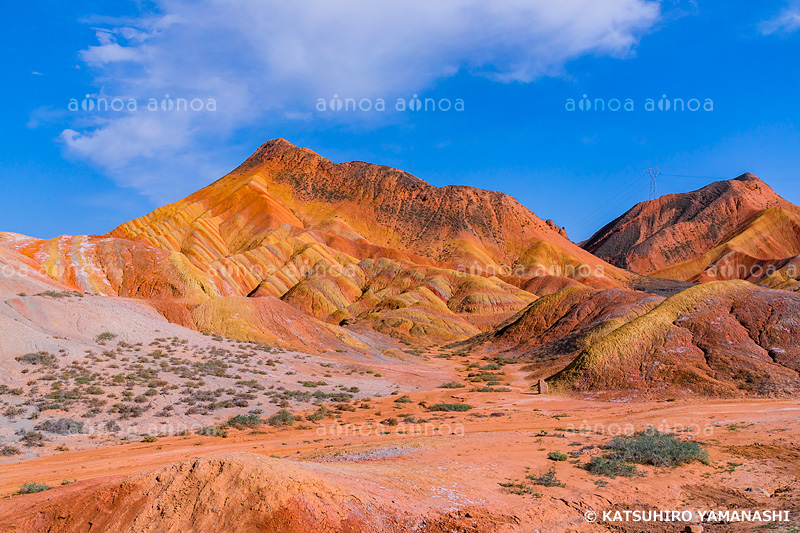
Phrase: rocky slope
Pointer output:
(764, 250)
(724, 338)
(736, 229)
(39, 310)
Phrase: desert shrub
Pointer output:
(484, 376)
(281, 419)
(59, 294)
(212, 368)
(106, 336)
(32, 438)
(12, 412)
(31, 488)
(38, 358)
(604, 466)
(492, 389)
(127, 410)
(651, 447)
(250, 383)
(62, 426)
(313, 383)
(149, 438)
(296, 396)
(547, 479)
(403, 399)
(333, 396)
(213, 431)
(520, 488)
(54, 294)
(250, 420)
(319, 414)
(450, 407)
(451, 385)
(557, 456)
(7, 451)
(60, 395)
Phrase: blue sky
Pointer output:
(260, 68)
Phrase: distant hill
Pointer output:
(736, 229)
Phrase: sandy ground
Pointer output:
(444, 472)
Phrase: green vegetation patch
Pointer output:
(603, 466)
(557, 456)
(282, 418)
(31, 488)
(651, 447)
(450, 407)
(548, 479)
(213, 431)
(250, 420)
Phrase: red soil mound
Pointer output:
(238, 492)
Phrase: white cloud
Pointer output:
(108, 53)
(787, 21)
(265, 60)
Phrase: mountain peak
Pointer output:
(279, 144)
(676, 228)
(748, 176)
(274, 148)
(385, 207)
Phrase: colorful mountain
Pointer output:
(350, 244)
(736, 229)
(723, 338)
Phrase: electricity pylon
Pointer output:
(653, 173)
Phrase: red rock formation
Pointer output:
(345, 243)
(723, 338)
(721, 231)
(353, 204)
